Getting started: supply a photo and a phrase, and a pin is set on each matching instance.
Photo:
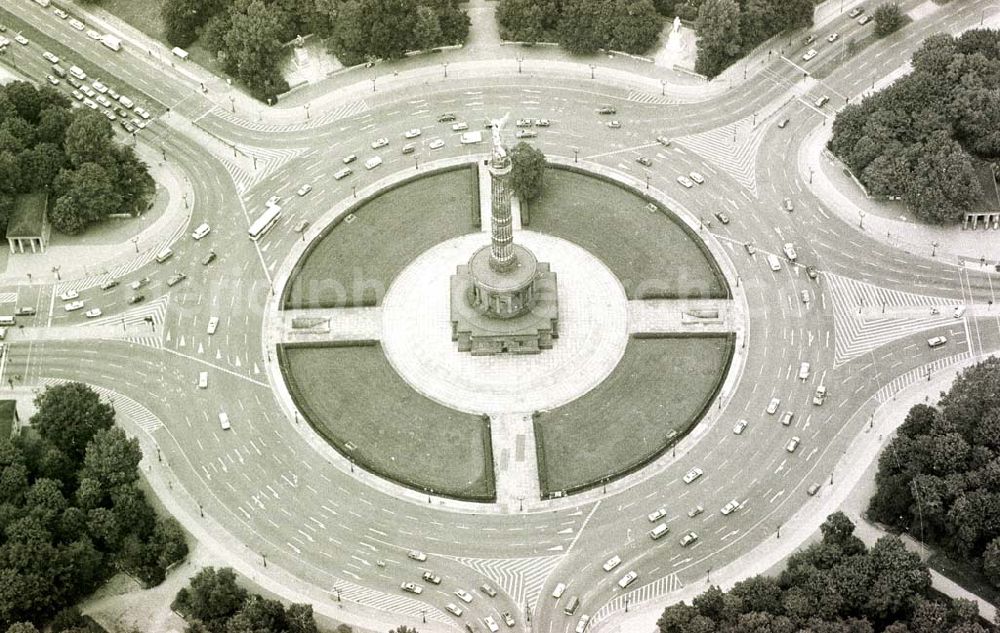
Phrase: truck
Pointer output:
(472, 137)
(111, 42)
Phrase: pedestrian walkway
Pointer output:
(687, 316)
(327, 325)
(515, 463)
(520, 578)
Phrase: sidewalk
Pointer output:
(853, 475)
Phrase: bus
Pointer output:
(262, 224)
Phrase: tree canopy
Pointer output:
(939, 478)
(527, 174)
(920, 137)
(214, 602)
(833, 586)
(47, 147)
(582, 26)
(71, 511)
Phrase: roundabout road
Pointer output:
(278, 496)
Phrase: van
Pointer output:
(373, 162)
(658, 531)
(559, 590)
(201, 231)
(804, 371)
(164, 255)
(7, 321)
(224, 420)
(203, 380)
(179, 52)
(774, 263)
(571, 606)
(77, 72)
(3, 333)
(58, 70)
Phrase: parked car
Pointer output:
(783, 122)
(542, 123)
(809, 54)
(380, 142)
(523, 123)
(685, 181)
(627, 579)
(92, 313)
(855, 12)
(865, 19)
(813, 489)
(69, 295)
(832, 37)
(436, 144)
(136, 299)
(751, 248)
(208, 259)
(25, 311)
(453, 609)
(447, 117)
(812, 272)
(507, 618)
(786, 418)
(936, 341)
(109, 284)
(787, 204)
(525, 134)
(459, 127)
(820, 396)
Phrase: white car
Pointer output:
(373, 162)
(789, 250)
(272, 201)
(523, 123)
(459, 127)
(342, 173)
(411, 587)
(87, 90)
(304, 189)
(959, 312)
(436, 144)
(380, 142)
(99, 87)
(50, 57)
(689, 538)
(414, 133)
(69, 295)
(491, 624)
(657, 515)
(141, 112)
(59, 13)
(92, 313)
(698, 178)
(936, 341)
(792, 444)
(78, 95)
(685, 181)
(627, 579)
(663, 140)
(90, 104)
(20, 39)
(542, 123)
(213, 325)
(94, 35)
(614, 125)
(786, 418)
(52, 80)
(464, 595)
(611, 563)
(772, 406)
(740, 427)
(416, 555)
(101, 99)
(730, 507)
(453, 609)
(74, 305)
(809, 55)
(525, 134)
(76, 24)
(693, 474)
(350, 159)
(202, 230)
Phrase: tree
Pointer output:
(719, 38)
(349, 42)
(300, 619)
(520, 20)
(213, 596)
(87, 196)
(888, 18)
(111, 460)
(258, 614)
(69, 415)
(637, 27)
(578, 26)
(427, 29)
(527, 174)
(252, 48)
(87, 137)
(171, 544)
(183, 18)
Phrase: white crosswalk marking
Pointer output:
(918, 374)
(868, 316)
(8, 297)
(268, 160)
(341, 112)
(651, 591)
(520, 578)
(645, 97)
(123, 405)
(387, 602)
(732, 148)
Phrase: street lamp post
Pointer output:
(135, 243)
(754, 120)
(445, 64)
(264, 557)
(934, 246)
(811, 175)
(306, 106)
(663, 87)
(185, 196)
(232, 103)
(576, 155)
(520, 504)
(416, 162)
(373, 84)
(647, 182)
(519, 60)
(592, 67)
(55, 269)
(861, 219)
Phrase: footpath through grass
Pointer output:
(652, 255)
(657, 391)
(356, 400)
(354, 264)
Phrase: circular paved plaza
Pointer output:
(593, 332)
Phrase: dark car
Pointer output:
(751, 249)
(175, 279)
(109, 284)
(642, 160)
(722, 217)
(208, 258)
(446, 117)
(25, 311)
(136, 299)
(812, 272)
(606, 110)
(856, 11)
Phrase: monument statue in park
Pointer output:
(504, 301)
